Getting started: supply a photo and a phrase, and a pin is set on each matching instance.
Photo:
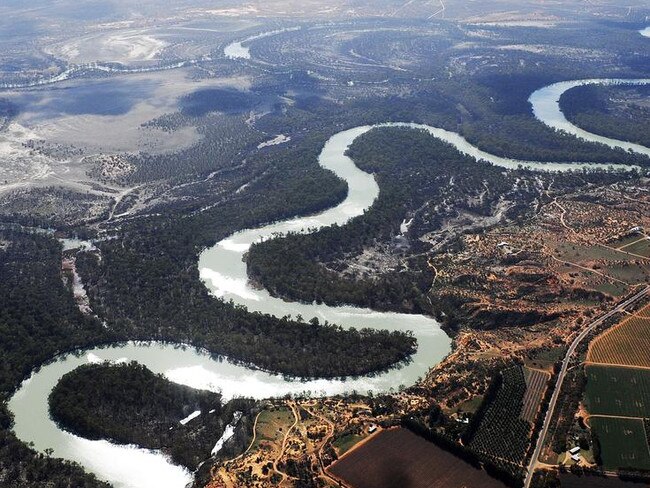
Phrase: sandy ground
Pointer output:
(125, 47)
(17, 162)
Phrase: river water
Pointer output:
(223, 271)
(546, 108)
(237, 50)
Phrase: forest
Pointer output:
(129, 404)
(620, 112)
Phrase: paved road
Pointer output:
(560, 378)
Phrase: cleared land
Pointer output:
(623, 442)
(398, 457)
(616, 391)
(635, 244)
(626, 344)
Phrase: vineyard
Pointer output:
(623, 442)
(622, 392)
(503, 435)
(626, 344)
(618, 392)
(535, 386)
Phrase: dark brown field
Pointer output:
(398, 458)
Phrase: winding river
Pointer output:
(223, 271)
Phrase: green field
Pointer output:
(346, 442)
(623, 442)
(617, 391)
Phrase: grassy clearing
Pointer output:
(632, 273)
(625, 241)
(545, 359)
(272, 425)
(469, 406)
(613, 289)
(577, 252)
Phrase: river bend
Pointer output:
(223, 271)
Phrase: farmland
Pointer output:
(623, 392)
(398, 457)
(623, 442)
(617, 395)
(625, 344)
